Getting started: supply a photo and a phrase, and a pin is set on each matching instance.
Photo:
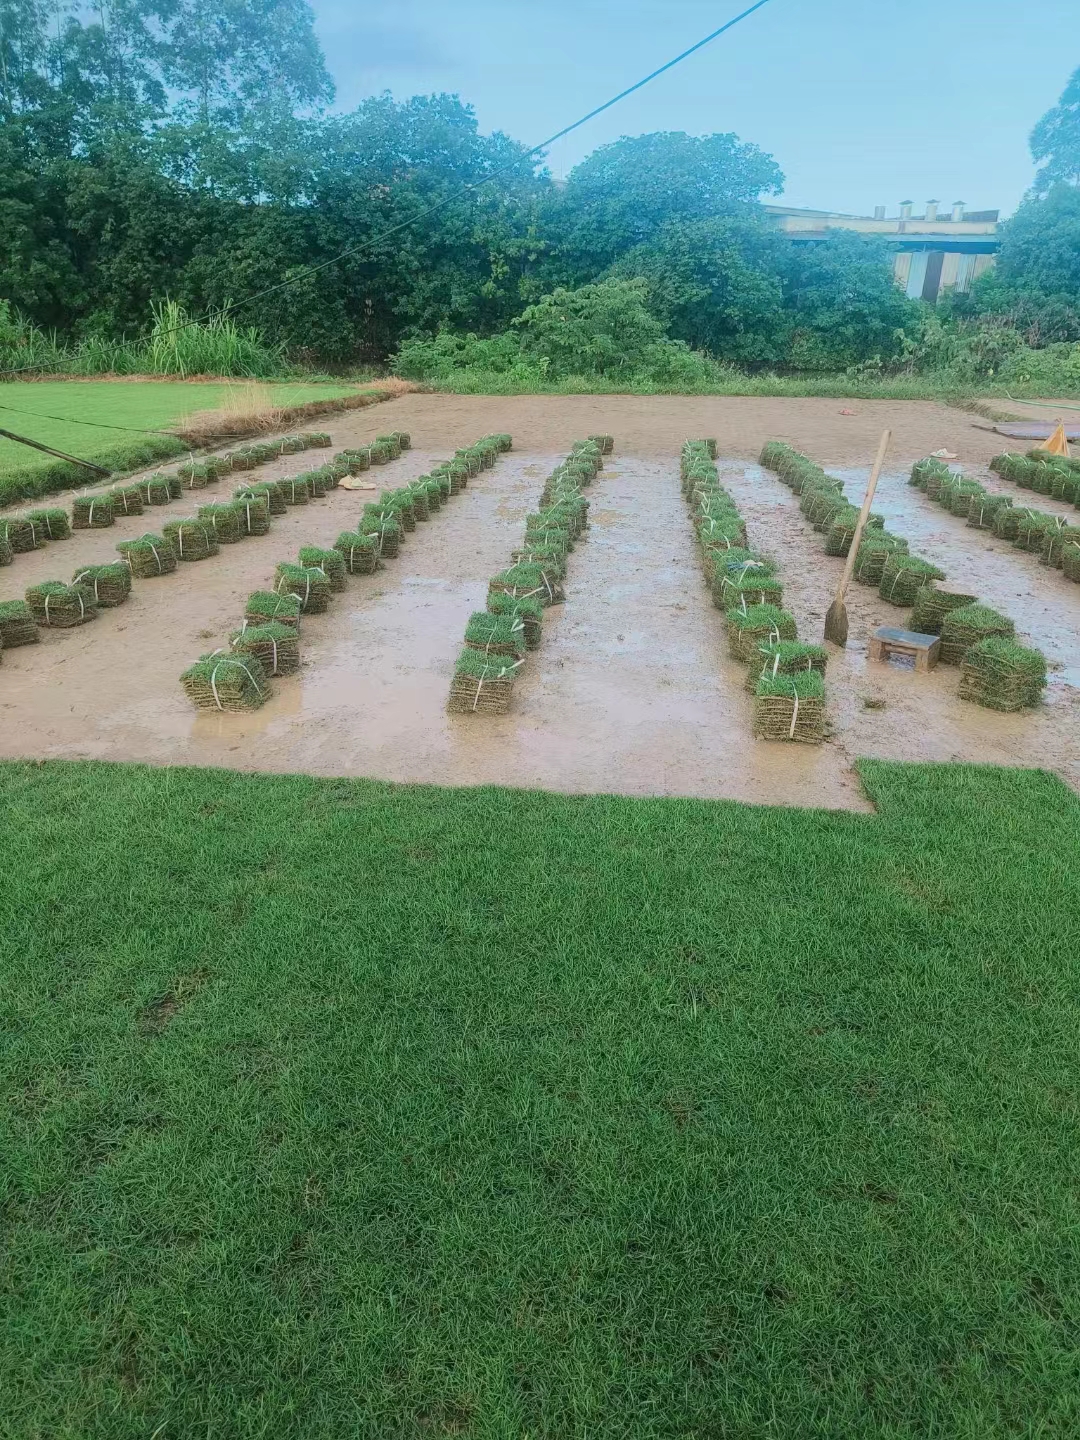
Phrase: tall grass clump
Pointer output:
(214, 346)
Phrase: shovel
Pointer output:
(836, 626)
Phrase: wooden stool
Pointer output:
(925, 650)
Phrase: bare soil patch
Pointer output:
(631, 691)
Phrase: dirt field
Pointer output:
(631, 691)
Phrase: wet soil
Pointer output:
(631, 692)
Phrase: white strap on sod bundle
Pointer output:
(213, 678)
(794, 716)
(47, 620)
(90, 517)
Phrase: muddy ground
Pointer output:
(631, 691)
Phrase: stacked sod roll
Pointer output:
(1037, 531)
(498, 638)
(267, 644)
(784, 675)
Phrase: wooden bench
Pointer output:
(925, 650)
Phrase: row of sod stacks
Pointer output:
(20, 534)
(497, 639)
(1048, 536)
(784, 675)
(267, 644)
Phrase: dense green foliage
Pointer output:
(335, 1108)
(181, 153)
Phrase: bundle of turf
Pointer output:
(399, 503)
(431, 488)
(1003, 463)
(923, 470)
(294, 490)
(527, 609)
(1042, 477)
(496, 634)
(360, 553)
(355, 460)
(1054, 541)
(982, 510)
(790, 707)
(311, 586)
(827, 507)
(51, 523)
(550, 558)
(527, 581)
(1070, 464)
(746, 588)
(291, 445)
(254, 506)
(316, 439)
(1070, 561)
(606, 444)
(391, 444)
(1002, 675)
(127, 500)
(240, 459)
(7, 555)
(1006, 521)
(191, 539)
(226, 521)
(156, 490)
(109, 584)
(506, 442)
(380, 453)
(195, 475)
(758, 625)
(841, 529)
(316, 483)
(385, 524)
(269, 490)
(904, 576)
(482, 684)
(265, 607)
(958, 495)
(148, 556)
(217, 466)
(17, 624)
(92, 512)
(931, 607)
(226, 682)
(963, 628)
(1032, 529)
(873, 555)
(471, 459)
(330, 475)
(275, 645)
(20, 536)
(61, 606)
(330, 562)
(403, 438)
(784, 657)
(418, 498)
(458, 474)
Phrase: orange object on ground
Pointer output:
(1058, 443)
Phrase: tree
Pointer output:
(623, 194)
(1040, 245)
(1055, 141)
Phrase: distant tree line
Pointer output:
(184, 149)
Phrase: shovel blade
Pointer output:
(836, 625)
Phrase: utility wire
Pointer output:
(378, 239)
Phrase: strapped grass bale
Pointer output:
(965, 627)
(127, 500)
(148, 556)
(390, 443)
(958, 496)
(309, 585)
(315, 481)
(482, 684)
(931, 607)
(294, 490)
(190, 538)
(784, 657)
(399, 504)
(527, 609)
(1032, 529)
(386, 525)
(59, 606)
(22, 535)
(496, 634)
(418, 498)
(226, 682)
(330, 562)
(195, 475)
(758, 625)
(290, 445)
(931, 468)
(52, 523)
(982, 510)
(316, 439)
(254, 506)
(17, 625)
(275, 645)
(356, 460)
(904, 576)
(1002, 675)
(873, 555)
(1006, 521)
(404, 439)
(1070, 561)
(266, 606)
(1054, 542)
(270, 489)
(7, 555)
(790, 707)
(745, 587)
(359, 552)
(527, 581)
(109, 584)
(841, 530)
(379, 453)
(226, 521)
(156, 490)
(606, 444)
(92, 512)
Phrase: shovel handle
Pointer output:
(860, 524)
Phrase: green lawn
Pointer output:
(338, 1109)
(149, 405)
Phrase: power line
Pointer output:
(383, 235)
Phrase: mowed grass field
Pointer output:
(140, 405)
(336, 1108)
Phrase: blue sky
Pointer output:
(862, 102)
